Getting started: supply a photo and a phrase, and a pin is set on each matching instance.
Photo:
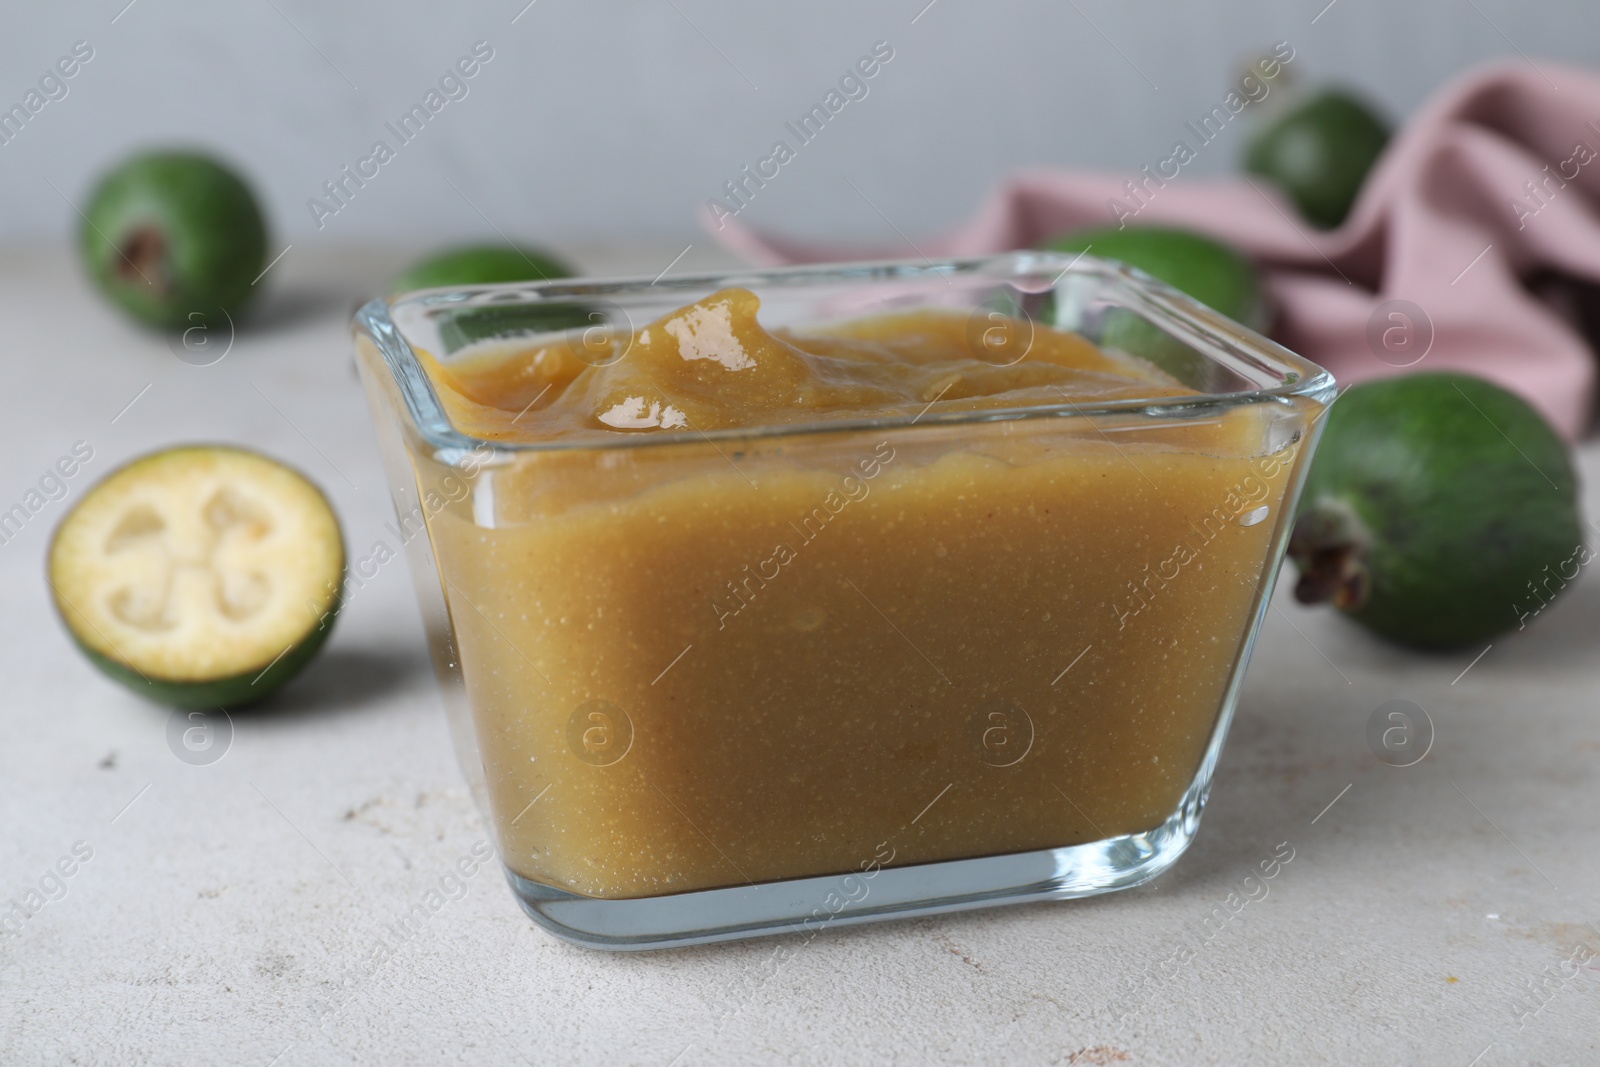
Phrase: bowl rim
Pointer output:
(1281, 374)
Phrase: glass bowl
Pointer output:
(739, 682)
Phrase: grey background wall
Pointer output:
(617, 119)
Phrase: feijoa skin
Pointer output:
(488, 264)
(493, 264)
(201, 577)
(1218, 275)
(1437, 509)
(1319, 153)
(169, 236)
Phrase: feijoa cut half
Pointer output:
(176, 239)
(1440, 510)
(202, 576)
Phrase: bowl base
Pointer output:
(807, 906)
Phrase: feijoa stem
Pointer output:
(1329, 545)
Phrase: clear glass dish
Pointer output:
(996, 663)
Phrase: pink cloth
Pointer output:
(1436, 225)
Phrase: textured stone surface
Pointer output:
(229, 912)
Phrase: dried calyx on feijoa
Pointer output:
(201, 577)
(1440, 510)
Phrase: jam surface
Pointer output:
(712, 366)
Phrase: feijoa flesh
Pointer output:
(201, 576)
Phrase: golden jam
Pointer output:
(716, 662)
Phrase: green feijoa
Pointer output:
(174, 238)
(1440, 510)
(1213, 273)
(458, 329)
(1320, 152)
(1217, 275)
(493, 264)
(485, 264)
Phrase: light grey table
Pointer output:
(232, 913)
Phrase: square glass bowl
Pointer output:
(713, 685)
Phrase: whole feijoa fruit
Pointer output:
(1440, 510)
(175, 238)
(487, 264)
(493, 264)
(1218, 275)
(1320, 152)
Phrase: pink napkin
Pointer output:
(1496, 178)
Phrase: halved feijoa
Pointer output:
(1440, 510)
(203, 576)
